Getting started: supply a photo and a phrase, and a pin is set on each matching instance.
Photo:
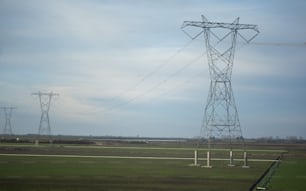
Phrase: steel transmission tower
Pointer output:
(221, 117)
(8, 115)
(45, 102)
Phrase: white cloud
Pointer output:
(86, 21)
(113, 60)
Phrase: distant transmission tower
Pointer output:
(221, 116)
(45, 102)
(8, 115)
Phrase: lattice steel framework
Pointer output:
(221, 117)
(8, 115)
(45, 102)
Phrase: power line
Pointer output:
(177, 86)
(198, 74)
(160, 83)
(148, 75)
(279, 44)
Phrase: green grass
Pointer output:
(290, 176)
(45, 173)
(133, 151)
(87, 173)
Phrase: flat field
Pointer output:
(121, 167)
(291, 174)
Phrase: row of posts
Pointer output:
(231, 159)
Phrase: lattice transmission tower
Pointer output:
(220, 116)
(8, 115)
(45, 102)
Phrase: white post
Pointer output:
(231, 159)
(195, 157)
(245, 160)
(208, 160)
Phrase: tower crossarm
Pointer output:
(231, 26)
(46, 94)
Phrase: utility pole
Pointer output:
(221, 115)
(45, 102)
(8, 115)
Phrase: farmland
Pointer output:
(124, 166)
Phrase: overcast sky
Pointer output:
(125, 68)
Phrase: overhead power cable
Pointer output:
(148, 75)
(179, 85)
(160, 83)
(279, 44)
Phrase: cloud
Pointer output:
(120, 67)
(61, 19)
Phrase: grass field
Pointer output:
(87, 172)
(121, 174)
(291, 174)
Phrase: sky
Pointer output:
(125, 68)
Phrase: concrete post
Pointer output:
(245, 160)
(208, 160)
(231, 159)
(195, 157)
